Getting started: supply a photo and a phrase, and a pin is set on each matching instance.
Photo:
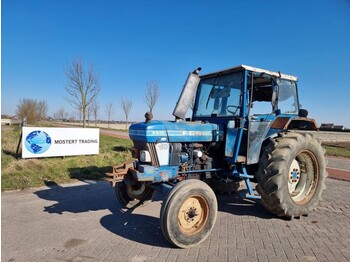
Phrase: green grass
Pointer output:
(337, 151)
(17, 173)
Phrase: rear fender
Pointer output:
(300, 123)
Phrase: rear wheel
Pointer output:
(188, 213)
(131, 196)
(291, 175)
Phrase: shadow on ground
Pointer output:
(95, 196)
(135, 227)
(90, 196)
(130, 224)
(239, 206)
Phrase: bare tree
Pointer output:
(73, 116)
(32, 109)
(126, 105)
(95, 107)
(66, 115)
(151, 94)
(42, 109)
(82, 86)
(88, 113)
(79, 113)
(109, 111)
(59, 114)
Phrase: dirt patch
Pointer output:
(73, 243)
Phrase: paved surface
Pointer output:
(83, 222)
(338, 168)
(115, 133)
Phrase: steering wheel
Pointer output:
(233, 113)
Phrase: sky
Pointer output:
(134, 42)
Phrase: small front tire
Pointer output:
(188, 213)
(132, 196)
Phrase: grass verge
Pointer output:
(337, 151)
(17, 173)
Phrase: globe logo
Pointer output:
(38, 142)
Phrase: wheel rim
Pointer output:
(303, 177)
(193, 215)
(136, 191)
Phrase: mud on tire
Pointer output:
(291, 175)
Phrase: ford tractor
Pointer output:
(246, 126)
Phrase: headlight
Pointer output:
(145, 156)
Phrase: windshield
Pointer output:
(287, 97)
(219, 96)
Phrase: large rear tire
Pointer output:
(188, 213)
(291, 175)
(132, 196)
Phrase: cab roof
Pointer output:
(253, 69)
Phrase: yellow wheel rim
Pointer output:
(193, 215)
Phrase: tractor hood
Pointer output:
(164, 131)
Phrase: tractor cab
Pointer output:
(241, 91)
(248, 104)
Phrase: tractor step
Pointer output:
(251, 193)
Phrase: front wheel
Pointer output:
(132, 196)
(188, 213)
(291, 175)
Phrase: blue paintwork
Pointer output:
(243, 114)
(192, 132)
(294, 174)
(147, 173)
(263, 117)
(148, 132)
(167, 131)
(244, 175)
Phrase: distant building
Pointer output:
(7, 120)
(332, 127)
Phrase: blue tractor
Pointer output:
(246, 125)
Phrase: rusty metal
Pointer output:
(281, 123)
(119, 172)
(289, 123)
(299, 121)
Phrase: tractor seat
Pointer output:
(241, 159)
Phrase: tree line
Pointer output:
(82, 89)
